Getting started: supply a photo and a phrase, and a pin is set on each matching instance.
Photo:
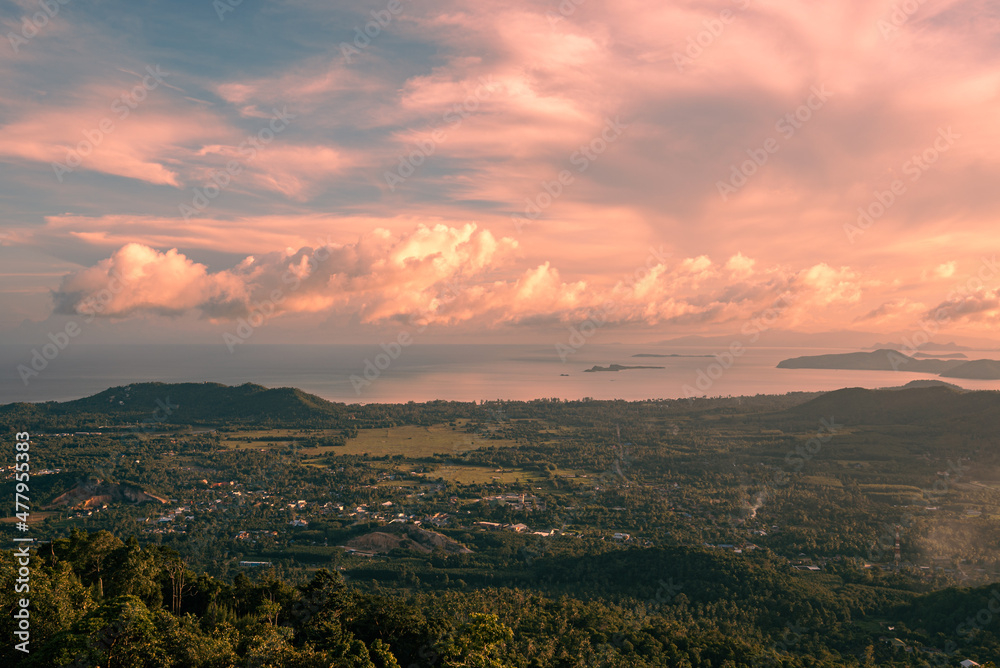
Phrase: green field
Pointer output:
(262, 437)
(414, 441)
(408, 440)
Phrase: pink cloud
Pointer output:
(441, 274)
(111, 131)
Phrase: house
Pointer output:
(299, 523)
(968, 663)
(621, 536)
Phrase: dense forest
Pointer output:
(202, 525)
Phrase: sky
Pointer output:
(327, 172)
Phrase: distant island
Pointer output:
(671, 355)
(976, 370)
(618, 367)
(930, 345)
(945, 356)
(893, 360)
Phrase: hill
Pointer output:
(407, 537)
(92, 493)
(926, 383)
(938, 405)
(975, 370)
(887, 359)
(884, 359)
(180, 404)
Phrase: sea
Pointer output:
(471, 372)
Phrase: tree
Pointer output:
(381, 656)
(476, 644)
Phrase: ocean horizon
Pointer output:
(355, 373)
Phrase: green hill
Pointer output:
(938, 405)
(181, 404)
(975, 370)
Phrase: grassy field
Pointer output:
(484, 474)
(261, 438)
(822, 481)
(408, 440)
(413, 441)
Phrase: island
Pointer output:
(670, 355)
(930, 345)
(975, 370)
(893, 360)
(618, 367)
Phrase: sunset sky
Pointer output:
(498, 170)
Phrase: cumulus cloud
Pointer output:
(981, 305)
(440, 274)
(140, 279)
(380, 276)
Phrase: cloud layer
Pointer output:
(450, 276)
(584, 132)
